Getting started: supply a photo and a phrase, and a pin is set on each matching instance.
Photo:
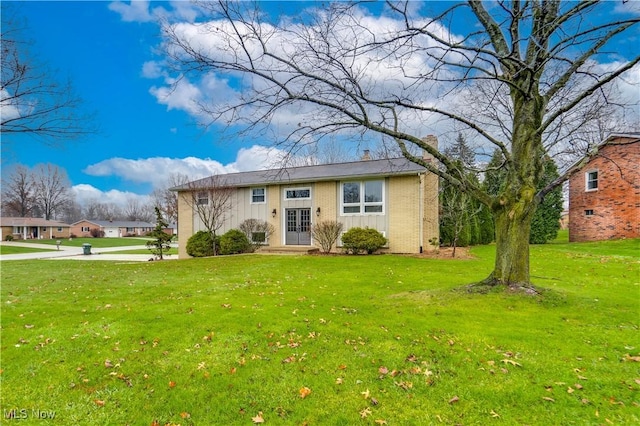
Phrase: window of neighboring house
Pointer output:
(17, 229)
(588, 212)
(85, 229)
(59, 229)
(258, 196)
(297, 194)
(591, 179)
(202, 198)
(131, 230)
(366, 197)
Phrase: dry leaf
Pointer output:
(99, 402)
(512, 362)
(365, 413)
(339, 381)
(454, 400)
(342, 367)
(172, 384)
(546, 398)
(304, 392)
(185, 415)
(380, 422)
(494, 414)
(383, 370)
(366, 394)
(258, 418)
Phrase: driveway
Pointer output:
(77, 253)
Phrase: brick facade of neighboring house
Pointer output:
(604, 195)
(22, 228)
(394, 196)
(111, 228)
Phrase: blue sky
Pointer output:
(107, 50)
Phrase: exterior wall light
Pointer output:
(318, 212)
(273, 213)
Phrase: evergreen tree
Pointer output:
(546, 219)
(161, 242)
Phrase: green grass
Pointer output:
(95, 242)
(218, 340)
(8, 249)
(173, 251)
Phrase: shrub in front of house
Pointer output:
(362, 240)
(234, 241)
(8, 238)
(200, 244)
(96, 233)
(326, 234)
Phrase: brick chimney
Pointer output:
(430, 140)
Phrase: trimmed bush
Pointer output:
(8, 238)
(200, 244)
(234, 241)
(326, 234)
(362, 240)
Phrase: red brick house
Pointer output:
(604, 193)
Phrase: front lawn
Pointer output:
(315, 340)
(9, 249)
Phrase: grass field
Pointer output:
(7, 249)
(323, 340)
(95, 242)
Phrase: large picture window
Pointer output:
(591, 180)
(366, 197)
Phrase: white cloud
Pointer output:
(135, 11)
(153, 69)
(85, 194)
(155, 170)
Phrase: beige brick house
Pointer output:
(394, 196)
(24, 228)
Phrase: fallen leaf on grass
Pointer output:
(366, 394)
(365, 413)
(383, 370)
(172, 384)
(546, 398)
(512, 362)
(185, 415)
(258, 418)
(494, 414)
(380, 422)
(304, 392)
(628, 357)
(454, 400)
(99, 402)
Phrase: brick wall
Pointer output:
(611, 211)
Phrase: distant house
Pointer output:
(394, 196)
(23, 228)
(604, 194)
(111, 228)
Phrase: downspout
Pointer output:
(421, 211)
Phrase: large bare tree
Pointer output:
(211, 200)
(536, 68)
(17, 192)
(51, 189)
(33, 100)
(166, 199)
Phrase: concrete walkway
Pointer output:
(77, 253)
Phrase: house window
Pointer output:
(588, 212)
(131, 230)
(202, 198)
(259, 237)
(297, 194)
(258, 196)
(18, 229)
(85, 229)
(591, 179)
(59, 228)
(366, 197)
